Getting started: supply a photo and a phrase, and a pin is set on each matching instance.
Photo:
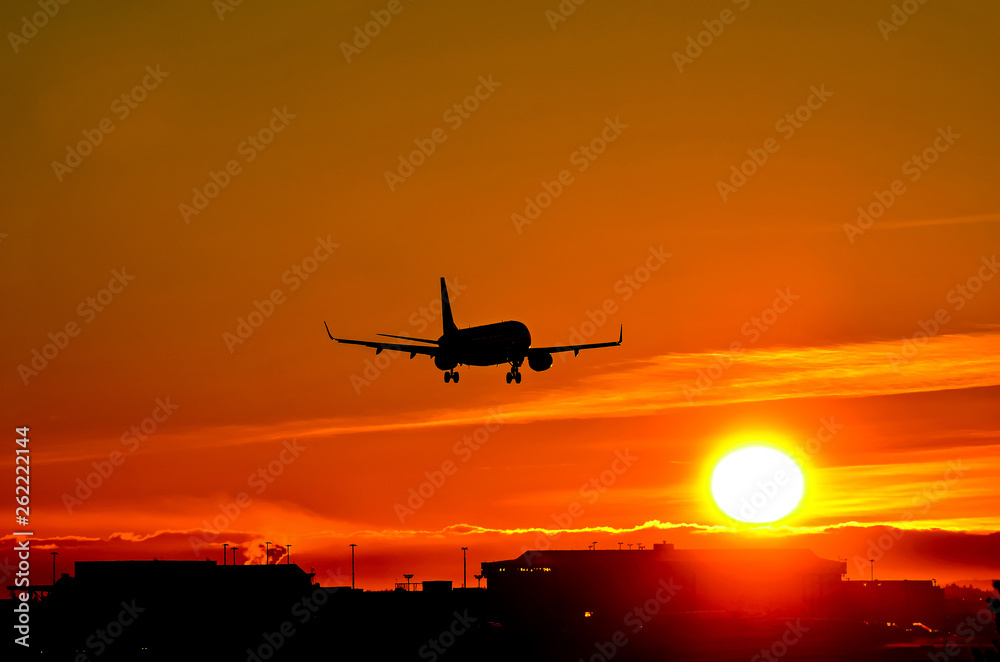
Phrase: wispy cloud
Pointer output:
(925, 222)
(946, 362)
(656, 384)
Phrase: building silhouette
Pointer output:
(563, 584)
(895, 602)
(684, 604)
(696, 603)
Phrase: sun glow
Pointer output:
(757, 483)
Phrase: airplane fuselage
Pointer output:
(489, 344)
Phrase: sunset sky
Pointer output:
(790, 208)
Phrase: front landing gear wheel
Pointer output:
(510, 377)
(454, 376)
(447, 377)
(517, 377)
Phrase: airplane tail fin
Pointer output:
(446, 319)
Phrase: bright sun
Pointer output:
(757, 484)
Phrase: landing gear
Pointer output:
(451, 375)
(515, 373)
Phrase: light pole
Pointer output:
(288, 557)
(464, 549)
(595, 545)
(872, 561)
(479, 581)
(234, 554)
(619, 547)
(54, 568)
(353, 545)
(267, 559)
(225, 550)
(408, 578)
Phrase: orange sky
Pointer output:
(306, 208)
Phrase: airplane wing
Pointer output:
(576, 348)
(413, 350)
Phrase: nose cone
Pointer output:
(523, 332)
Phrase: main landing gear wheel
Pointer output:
(450, 376)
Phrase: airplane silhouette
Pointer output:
(489, 344)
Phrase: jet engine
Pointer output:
(445, 362)
(539, 361)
